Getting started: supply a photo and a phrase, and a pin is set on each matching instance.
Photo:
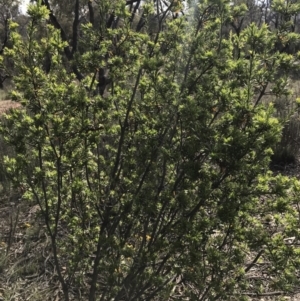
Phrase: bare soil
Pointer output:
(5, 105)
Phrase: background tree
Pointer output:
(8, 11)
(156, 187)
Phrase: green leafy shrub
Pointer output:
(151, 169)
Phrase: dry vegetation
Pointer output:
(25, 266)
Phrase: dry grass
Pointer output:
(26, 268)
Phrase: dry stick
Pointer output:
(12, 230)
(276, 293)
(254, 261)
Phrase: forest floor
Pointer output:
(26, 270)
(7, 104)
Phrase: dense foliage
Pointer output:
(146, 143)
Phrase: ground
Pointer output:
(7, 104)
